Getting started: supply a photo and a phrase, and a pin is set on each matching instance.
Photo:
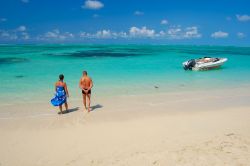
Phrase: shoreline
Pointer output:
(144, 89)
(220, 98)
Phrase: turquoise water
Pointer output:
(28, 72)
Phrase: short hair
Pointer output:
(85, 72)
(61, 76)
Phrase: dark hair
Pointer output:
(61, 76)
(85, 72)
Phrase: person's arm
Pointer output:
(91, 84)
(66, 89)
(55, 87)
(80, 83)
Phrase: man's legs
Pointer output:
(84, 100)
(89, 95)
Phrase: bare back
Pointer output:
(86, 82)
(60, 83)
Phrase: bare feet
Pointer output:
(89, 110)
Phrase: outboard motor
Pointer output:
(189, 64)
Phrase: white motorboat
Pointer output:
(205, 63)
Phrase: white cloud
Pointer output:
(175, 33)
(182, 33)
(85, 35)
(138, 13)
(241, 35)
(21, 28)
(25, 1)
(104, 34)
(164, 22)
(219, 34)
(71, 35)
(243, 18)
(51, 35)
(162, 33)
(192, 32)
(6, 35)
(56, 34)
(141, 32)
(19, 33)
(25, 35)
(3, 19)
(122, 34)
(144, 32)
(93, 4)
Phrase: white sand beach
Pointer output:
(176, 129)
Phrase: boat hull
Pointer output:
(201, 65)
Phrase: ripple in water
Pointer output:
(12, 60)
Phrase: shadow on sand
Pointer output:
(69, 110)
(95, 107)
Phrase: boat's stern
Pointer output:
(188, 65)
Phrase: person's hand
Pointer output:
(85, 91)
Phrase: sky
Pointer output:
(198, 22)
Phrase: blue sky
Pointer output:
(221, 22)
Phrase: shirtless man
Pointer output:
(85, 85)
